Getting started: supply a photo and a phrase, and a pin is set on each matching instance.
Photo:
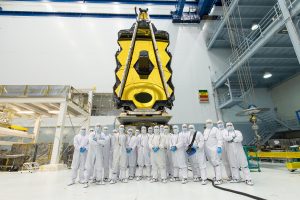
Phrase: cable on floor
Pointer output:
(236, 192)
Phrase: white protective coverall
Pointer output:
(169, 163)
(213, 140)
(94, 161)
(200, 153)
(150, 132)
(224, 157)
(107, 153)
(178, 156)
(81, 140)
(193, 159)
(131, 144)
(119, 164)
(236, 154)
(158, 159)
(143, 154)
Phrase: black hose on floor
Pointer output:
(236, 192)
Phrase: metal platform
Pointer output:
(39, 101)
(140, 117)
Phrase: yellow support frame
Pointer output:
(293, 165)
(287, 155)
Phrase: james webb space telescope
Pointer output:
(143, 87)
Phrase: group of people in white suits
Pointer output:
(158, 153)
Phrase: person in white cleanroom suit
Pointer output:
(150, 135)
(177, 148)
(158, 157)
(143, 155)
(94, 161)
(201, 158)
(213, 149)
(106, 153)
(193, 159)
(236, 154)
(137, 132)
(224, 157)
(161, 129)
(119, 163)
(81, 142)
(169, 164)
(150, 131)
(131, 152)
(184, 130)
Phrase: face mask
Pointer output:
(105, 131)
(166, 130)
(156, 130)
(150, 130)
(229, 128)
(82, 132)
(209, 125)
(144, 130)
(221, 126)
(129, 133)
(161, 130)
(121, 130)
(175, 130)
(192, 130)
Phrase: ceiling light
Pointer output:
(53, 111)
(254, 27)
(267, 75)
(25, 112)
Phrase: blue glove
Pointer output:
(95, 139)
(128, 150)
(82, 149)
(194, 146)
(173, 148)
(219, 150)
(155, 149)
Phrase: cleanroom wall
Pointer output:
(80, 52)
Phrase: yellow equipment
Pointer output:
(292, 164)
(19, 128)
(14, 127)
(143, 73)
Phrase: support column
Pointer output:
(290, 27)
(36, 130)
(90, 105)
(56, 150)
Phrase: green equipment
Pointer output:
(252, 158)
(293, 163)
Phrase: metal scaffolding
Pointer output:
(272, 22)
(37, 101)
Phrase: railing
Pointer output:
(44, 91)
(226, 95)
(218, 22)
(290, 3)
(34, 90)
(269, 124)
(79, 98)
(271, 17)
(291, 122)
